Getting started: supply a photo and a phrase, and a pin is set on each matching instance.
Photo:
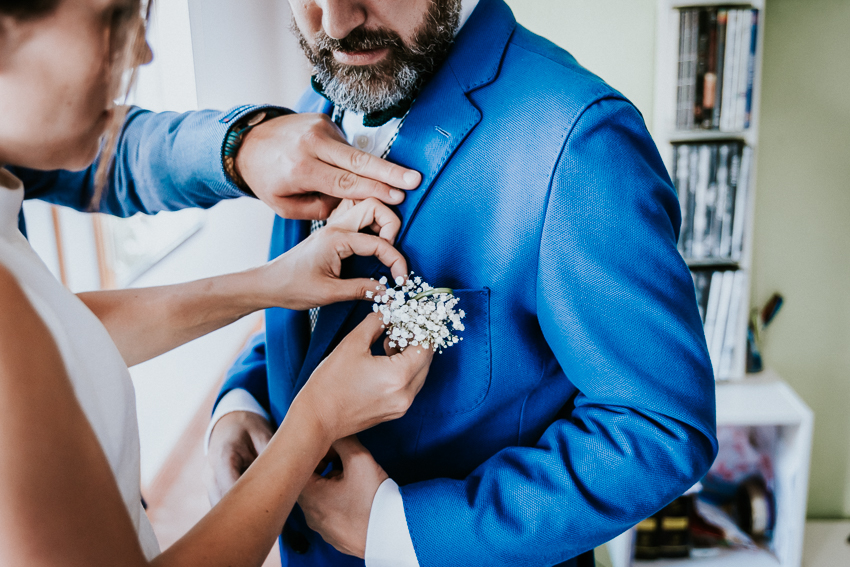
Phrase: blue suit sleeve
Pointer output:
(164, 162)
(249, 372)
(617, 307)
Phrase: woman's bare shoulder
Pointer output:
(18, 316)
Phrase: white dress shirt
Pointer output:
(388, 541)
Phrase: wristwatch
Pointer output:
(234, 139)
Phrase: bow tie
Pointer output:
(377, 118)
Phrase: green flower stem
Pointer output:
(434, 291)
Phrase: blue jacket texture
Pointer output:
(581, 399)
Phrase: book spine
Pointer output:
(681, 102)
(646, 539)
(751, 69)
(681, 177)
(693, 174)
(721, 322)
(709, 89)
(674, 539)
(702, 65)
(721, 189)
(722, 18)
(729, 71)
(730, 340)
(746, 21)
(701, 280)
(701, 213)
(728, 199)
(741, 203)
(713, 208)
(692, 66)
(711, 309)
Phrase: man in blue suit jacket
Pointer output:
(581, 399)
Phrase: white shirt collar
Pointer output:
(466, 8)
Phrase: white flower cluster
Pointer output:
(416, 314)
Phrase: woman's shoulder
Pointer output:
(24, 337)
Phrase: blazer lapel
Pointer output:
(439, 120)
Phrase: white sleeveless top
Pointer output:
(96, 369)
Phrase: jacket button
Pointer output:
(297, 541)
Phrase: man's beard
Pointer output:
(402, 73)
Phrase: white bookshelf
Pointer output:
(760, 400)
(666, 134)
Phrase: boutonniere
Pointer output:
(416, 314)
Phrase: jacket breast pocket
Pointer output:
(459, 378)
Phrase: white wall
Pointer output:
(613, 38)
(244, 53)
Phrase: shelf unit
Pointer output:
(666, 135)
(760, 400)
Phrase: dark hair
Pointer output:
(27, 9)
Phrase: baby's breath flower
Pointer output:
(416, 314)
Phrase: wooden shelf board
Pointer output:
(696, 136)
(719, 263)
(726, 558)
(759, 4)
(760, 399)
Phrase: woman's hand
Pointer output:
(352, 390)
(309, 275)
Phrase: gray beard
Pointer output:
(356, 93)
(401, 76)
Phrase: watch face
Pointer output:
(256, 119)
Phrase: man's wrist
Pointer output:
(235, 138)
(235, 400)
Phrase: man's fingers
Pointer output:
(260, 438)
(368, 245)
(313, 485)
(351, 451)
(363, 164)
(224, 477)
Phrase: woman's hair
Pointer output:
(127, 31)
(27, 9)
(126, 61)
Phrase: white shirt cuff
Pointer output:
(388, 542)
(237, 399)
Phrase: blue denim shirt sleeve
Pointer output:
(164, 162)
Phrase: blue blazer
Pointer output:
(581, 399)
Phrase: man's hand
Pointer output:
(338, 506)
(301, 166)
(236, 441)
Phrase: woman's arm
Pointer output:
(147, 322)
(61, 505)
